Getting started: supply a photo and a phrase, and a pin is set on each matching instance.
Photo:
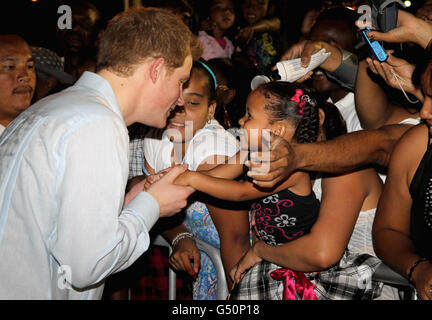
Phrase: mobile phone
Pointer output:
(377, 50)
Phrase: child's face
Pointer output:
(191, 117)
(254, 10)
(256, 121)
(222, 13)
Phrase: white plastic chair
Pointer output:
(390, 277)
(213, 253)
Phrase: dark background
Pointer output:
(36, 21)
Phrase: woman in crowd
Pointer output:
(195, 138)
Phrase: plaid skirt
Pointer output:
(350, 279)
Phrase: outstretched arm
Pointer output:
(230, 190)
(343, 153)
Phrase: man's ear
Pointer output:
(156, 69)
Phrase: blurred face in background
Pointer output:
(222, 13)
(254, 10)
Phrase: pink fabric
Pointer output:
(295, 281)
(212, 49)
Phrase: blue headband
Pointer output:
(210, 71)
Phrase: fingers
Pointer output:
(294, 51)
(175, 172)
(305, 77)
(188, 260)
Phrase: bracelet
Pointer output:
(181, 236)
(415, 264)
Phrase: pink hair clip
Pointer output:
(301, 103)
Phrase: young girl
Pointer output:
(221, 17)
(288, 211)
(347, 199)
(193, 137)
(257, 40)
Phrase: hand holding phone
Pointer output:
(376, 49)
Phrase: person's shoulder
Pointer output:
(414, 139)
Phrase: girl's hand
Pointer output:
(422, 278)
(155, 177)
(246, 262)
(245, 34)
(186, 257)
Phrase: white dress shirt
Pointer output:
(2, 128)
(63, 172)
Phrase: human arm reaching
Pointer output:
(343, 153)
(230, 190)
(246, 33)
(409, 29)
(397, 73)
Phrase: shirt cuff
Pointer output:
(145, 206)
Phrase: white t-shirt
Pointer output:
(348, 111)
(211, 140)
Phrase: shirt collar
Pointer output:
(95, 82)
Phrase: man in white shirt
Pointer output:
(17, 78)
(64, 222)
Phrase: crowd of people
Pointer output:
(148, 124)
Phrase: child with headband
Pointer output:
(288, 211)
(194, 137)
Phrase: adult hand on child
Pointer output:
(171, 198)
(268, 168)
(186, 257)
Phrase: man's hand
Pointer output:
(306, 48)
(268, 168)
(171, 198)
